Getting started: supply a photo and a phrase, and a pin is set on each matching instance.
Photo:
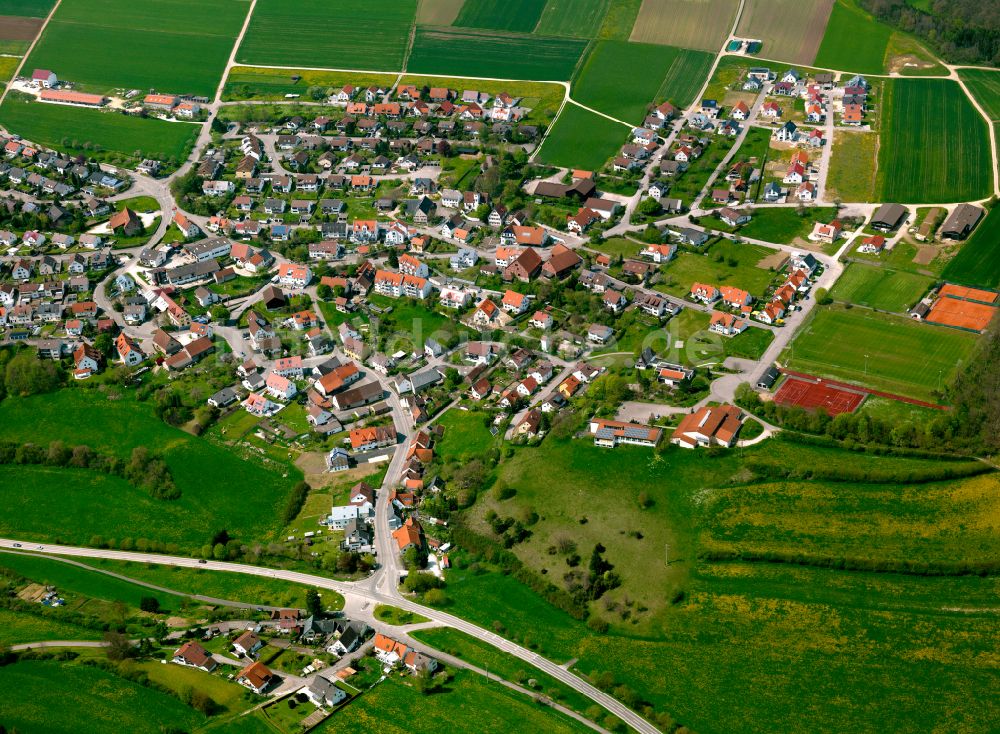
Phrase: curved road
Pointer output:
(360, 590)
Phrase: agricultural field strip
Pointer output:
(450, 620)
(27, 53)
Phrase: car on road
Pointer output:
(17, 545)
(202, 560)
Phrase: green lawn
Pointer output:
(72, 578)
(227, 694)
(219, 584)
(904, 357)
(465, 435)
(921, 158)
(854, 41)
(784, 225)
(302, 34)
(501, 15)
(409, 323)
(724, 263)
(581, 139)
(978, 262)
(79, 131)
(468, 703)
(620, 19)
(66, 698)
(75, 504)
(17, 628)
(396, 616)
(493, 54)
(880, 288)
(195, 35)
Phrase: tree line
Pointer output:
(962, 31)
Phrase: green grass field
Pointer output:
(195, 35)
(26, 8)
(853, 166)
(978, 262)
(619, 19)
(854, 41)
(724, 263)
(81, 131)
(17, 628)
(812, 634)
(581, 139)
(465, 435)
(669, 72)
(921, 158)
(245, 82)
(904, 357)
(985, 87)
(576, 18)
(72, 578)
(598, 84)
(218, 584)
(396, 616)
(470, 52)
(66, 698)
(784, 225)
(468, 703)
(305, 34)
(7, 66)
(75, 504)
(501, 15)
(880, 288)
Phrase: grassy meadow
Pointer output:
(501, 55)
(305, 34)
(26, 8)
(195, 35)
(785, 225)
(17, 628)
(76, 130)
(880, 288)
(811, 634)
(921, 158)
(72, 505)
(465, 435)
(903, 356)
(853, 166)
(985, 87)
(246, 82)
(724, 263)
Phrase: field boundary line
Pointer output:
(24, 59)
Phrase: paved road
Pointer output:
(362, 590)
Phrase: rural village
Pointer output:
(365, 393)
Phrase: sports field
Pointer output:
(854, 41)
(889, 353)
(501, 15)
(880, 288)
(698, 24)
(791, 30)
(985, 87)
(576, 18)
(978, 262)
(673, 73)
(79, 130)
(939, 157)
(581, 139)
(500, 55)
(178, 46)
(348, 34)
(961, 314)
(814, 394)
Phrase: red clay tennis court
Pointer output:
(961, 314)
(815, 393)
